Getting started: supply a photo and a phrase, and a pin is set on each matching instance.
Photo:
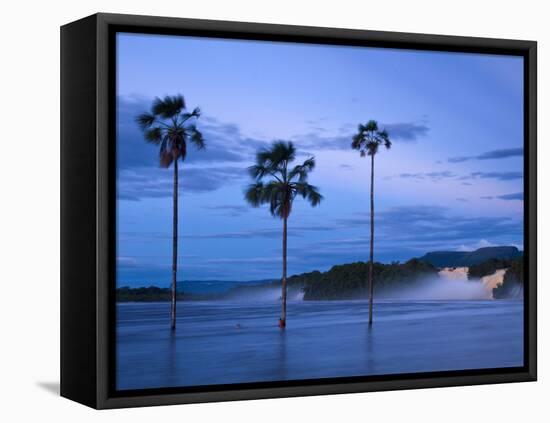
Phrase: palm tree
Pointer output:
(170, 127)
(279, 191)
(367, 140)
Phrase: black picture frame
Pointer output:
(88, 209)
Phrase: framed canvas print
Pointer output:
(256, 211)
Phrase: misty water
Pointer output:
(223, 342)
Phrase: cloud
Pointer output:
(446, 174)
(507, 197)
(489, 155)
(296, 231)
(318, 139)
(224, 141)
(514, 196)
(482, 243)
(501, 176)
(406, 131)
(247, 260)
(401, 233)
(229, 210)
(126, 262)
(433, 176)
(416, 228)
(147, 182)
(272, 232)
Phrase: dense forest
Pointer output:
(512, 284)
(350, 280)
(145, 294)
(489, 267)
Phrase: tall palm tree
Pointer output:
(277, 183)
(367, 141)
(171, 127)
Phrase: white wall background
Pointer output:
(29, 211)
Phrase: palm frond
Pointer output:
(145, 120)
(372, 147)
(195, 136)
(279, 191)
(357, 140)
(371, 126)
(165, 127)
(257, 171)
(254, 194)
(169, 106)
(369, 138)
(309, 192)
(302, 171)
(196, 112)
(282, 151)
(153, 135)
(279, 197)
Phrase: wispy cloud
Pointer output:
(272, 232)
(414, 226)
(319, 140)
(502, 176)
(297, 231)
(411, 231)
(148, 182)
(433, 176)
(228, 209)
(406, 131)
(507, 197)
(446, 174)
(489, 155)
(225, 141)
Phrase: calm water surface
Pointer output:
(222, 342)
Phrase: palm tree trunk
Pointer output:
(174, 249)
(371, 260)
(282, 320)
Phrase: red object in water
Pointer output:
(282, 323)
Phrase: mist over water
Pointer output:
(262, 293)
(450, 284)
(438, 289)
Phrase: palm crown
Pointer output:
(285, 183)
(169, 125)
(369, 138)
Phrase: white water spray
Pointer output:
(450, 284)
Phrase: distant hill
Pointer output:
(469, 258)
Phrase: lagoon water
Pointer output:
(219, 342)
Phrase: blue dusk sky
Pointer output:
(453, 179)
